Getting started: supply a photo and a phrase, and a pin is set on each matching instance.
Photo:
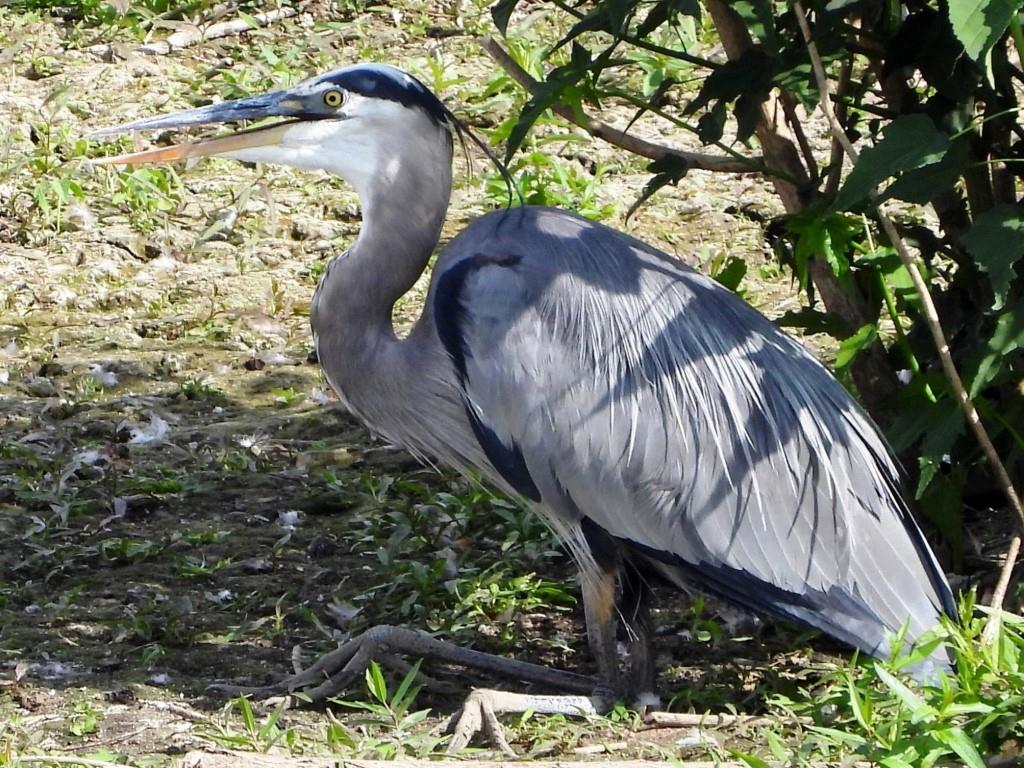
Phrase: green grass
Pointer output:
(871, 711)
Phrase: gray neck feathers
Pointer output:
(404, 208)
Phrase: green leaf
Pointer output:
(940, 497)
(798, 79)
(919, 710)
(759, 16)
(560, 84)
(753, 761)
(958, 741)
(397, 701)
(919, 185)
(946, 426)
(824, 237)
(852, 346)
(779, 749)
(752, 73)
(921, 650)
(338, 736)
(747, 111)
(411, 721)
(731, 273)
(996, 241)
(667, 170)
(969, 708)
(861, 707)
(908, 142)
(664, 11)
(1008, 337)
(711, 125)
(979, 24)
(252, 21)
(501, 11)
(248, 716)
(533, 109)
(846, 738)
(895, 274)
(270, 724)
(896, 761)
(813, 321)
(376, 684)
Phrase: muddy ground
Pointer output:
(181, 500)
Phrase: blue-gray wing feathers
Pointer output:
(641, 394)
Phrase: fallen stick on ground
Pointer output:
(184, 38)
(66, 760)
(689, 720)
(250, 760)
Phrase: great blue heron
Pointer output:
(665, 429)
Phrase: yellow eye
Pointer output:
(333, 98)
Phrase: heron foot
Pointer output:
(479, 713)
(336, 670)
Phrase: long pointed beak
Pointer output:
(274, 104)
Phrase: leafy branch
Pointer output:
(616, 136)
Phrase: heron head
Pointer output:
(352, 122)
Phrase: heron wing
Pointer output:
(607, 381)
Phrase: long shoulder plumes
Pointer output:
(645, 401)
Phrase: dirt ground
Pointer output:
(181, 500)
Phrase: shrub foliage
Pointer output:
(930, 92)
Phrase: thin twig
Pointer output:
(689, 720)
(67, 760)
(836, 154)
(1002, 585)
(179, 12)
(647, 45)
(179, 709)
(789, 108)
(110, 740)
(931, 316)
(613, 135)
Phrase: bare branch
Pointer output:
(789, 107)
(1002, 585)
(835, 171)
(612, 134)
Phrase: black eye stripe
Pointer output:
(380, 81)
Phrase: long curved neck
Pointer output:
(404, 202)
(402, 221)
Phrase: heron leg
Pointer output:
(599, 607)
(479, 711)
(634, 607)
